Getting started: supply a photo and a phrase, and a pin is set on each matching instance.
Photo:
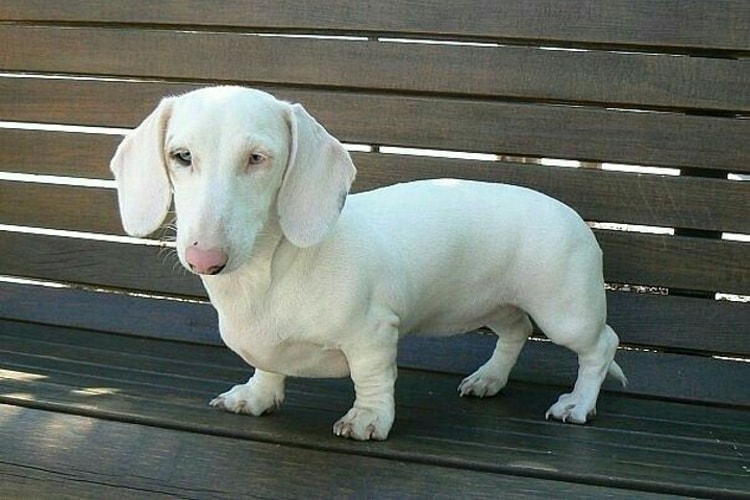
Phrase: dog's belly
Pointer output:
(444, 327)
(454, 313)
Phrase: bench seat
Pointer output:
(130, 415)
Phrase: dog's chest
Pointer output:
(274, 339)
(261, 347)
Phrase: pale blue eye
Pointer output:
(183, 157)
(256, 159)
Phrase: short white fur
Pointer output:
(307, 286)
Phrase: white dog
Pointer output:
(306, 288)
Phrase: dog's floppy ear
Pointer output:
(140, 170)
(316, 182)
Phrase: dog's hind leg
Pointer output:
(513, 327)
(594, 362)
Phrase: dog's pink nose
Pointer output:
(206, 261)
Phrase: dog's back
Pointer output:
(459, 249)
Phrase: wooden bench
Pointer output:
(109, 353)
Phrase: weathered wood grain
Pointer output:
(658, 139)
(53, 206)
(145, 461)
(615, 79)
(597, 195)
(640, 259)
(643, 320)
(65, 154)
(674, 24)
(501, 435)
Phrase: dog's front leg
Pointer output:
(373, 371)
(262, 394)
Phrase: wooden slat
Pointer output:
(710, 204)
(536, 130)
(540, 363)
(112, 312)
(598, 195)
(720, 24)
(615, 78)
(174, 464)
(99, 355)
(136, 267)
(95, 354)
(657, 260)
(676, 261)
(206, 369)
(57, 153)
(667, 201)
(665, 139)
(60, 207)
(686, 323)
(662, 322)
(649, 373)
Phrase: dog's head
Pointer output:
(233, 158)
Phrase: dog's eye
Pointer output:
(182, 157)
(256, 159)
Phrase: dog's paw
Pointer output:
(571, 408)
(481, 384)
(364, 425)
(248, 398)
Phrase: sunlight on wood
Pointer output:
(59, 127)
(640, 169)
(7, 374)
(634, 228)
(95, 391)
(57, 180)
(84, 235)
(438, 153)
(19, 396)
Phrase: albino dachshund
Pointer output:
(307, 288)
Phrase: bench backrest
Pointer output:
(497, 91)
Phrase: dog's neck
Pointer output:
(272, 254)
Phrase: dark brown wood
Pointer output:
(676, 261)
(149, 269)
(503, 435)
(641, 259)
(57, 153)
(680, 323)
(641, 320)
(60, 207)
(615, 78)
(540, 363)
(185, 464)
(666, 201)
(597, 195)
(653, 374)
(719, 25)
(659, 139)
(121, 313)
(132, 359)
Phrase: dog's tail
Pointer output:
(616, 372)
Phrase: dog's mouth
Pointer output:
(210, 271)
